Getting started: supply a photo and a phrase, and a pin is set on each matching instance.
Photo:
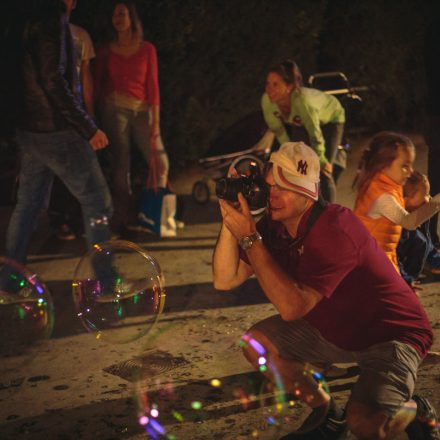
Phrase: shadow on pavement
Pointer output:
(116, 418)
(186, 298)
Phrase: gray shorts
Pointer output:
(388, 370)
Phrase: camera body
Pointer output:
(253, 186)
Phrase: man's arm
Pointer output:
(292, 299)
(47, 43)
(154, 125)
(228, 269)
(87, 87)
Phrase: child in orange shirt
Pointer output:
(384, 168)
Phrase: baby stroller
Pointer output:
(247, 141)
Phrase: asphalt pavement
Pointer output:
(188, 369)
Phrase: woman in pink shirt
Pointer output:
(127, 90)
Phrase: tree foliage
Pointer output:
(380, 44)
(214, 56)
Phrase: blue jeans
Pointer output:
(414, 249)
(70, 157)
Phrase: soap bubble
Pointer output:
(26, 317)
(243, 405)
(118, 291)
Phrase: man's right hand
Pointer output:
(99, 140)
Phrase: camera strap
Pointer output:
(317, 210)
(289, 243)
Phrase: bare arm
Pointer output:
(291, 299)
(154, 124)
(228, 270)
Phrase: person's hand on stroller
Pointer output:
(327, 169)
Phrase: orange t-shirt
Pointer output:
(386, 233)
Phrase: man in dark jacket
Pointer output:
(55, 135)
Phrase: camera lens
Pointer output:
(221, 188)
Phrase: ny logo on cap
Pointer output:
(302, 167)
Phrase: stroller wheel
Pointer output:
(200, 192)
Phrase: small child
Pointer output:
(415, 247)
(384, 168)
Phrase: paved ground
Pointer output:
(82, 388)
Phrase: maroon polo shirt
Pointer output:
(365, 300)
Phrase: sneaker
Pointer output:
(425, 426)
(331, 428)
(65, 233)
(431, 358)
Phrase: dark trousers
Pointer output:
(413, 251)
(432, 138)
(333, 134)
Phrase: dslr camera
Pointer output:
(252, 185)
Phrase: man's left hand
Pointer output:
(238, 219)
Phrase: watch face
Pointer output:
(246, 242)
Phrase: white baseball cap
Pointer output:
(296, 167)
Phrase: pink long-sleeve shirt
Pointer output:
(134, 76)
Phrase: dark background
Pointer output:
(214, 56)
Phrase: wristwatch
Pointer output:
(247, 241)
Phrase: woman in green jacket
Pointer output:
(287, 106)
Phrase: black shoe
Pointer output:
(425, 426)
(331, 428)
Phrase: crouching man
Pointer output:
(339, 300)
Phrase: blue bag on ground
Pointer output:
(157, 211)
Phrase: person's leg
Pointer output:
(327, 187)
(35, 182)
(141, 136)
(333, 134)
(434, 261)
(380, 405)
(72, 159)
(413, 253)
(116, 124)
(64, 212)
(292, 350)
(291, 346)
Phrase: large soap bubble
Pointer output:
(118, 291)
(244, 405)
(26, 317)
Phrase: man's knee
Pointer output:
(257, 344)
